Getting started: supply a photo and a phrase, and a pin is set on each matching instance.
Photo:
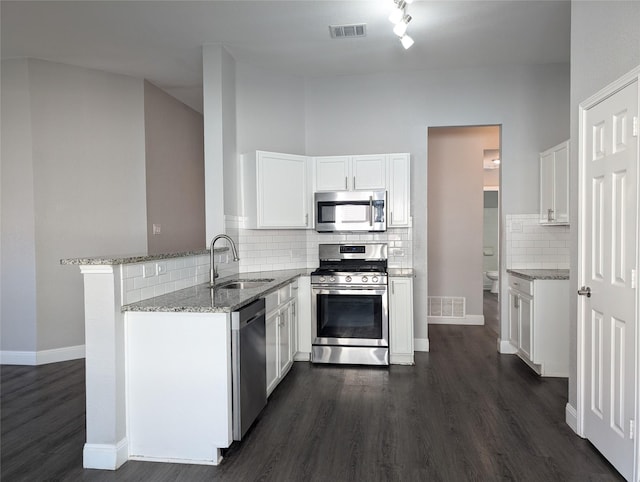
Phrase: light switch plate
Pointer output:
(148, 270)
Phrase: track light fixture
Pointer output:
(401, 27)
(406, 41)
(400, 18)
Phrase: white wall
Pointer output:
(174, 153)
(270, 111)
(391, 113)
(18, 289)
(605, 44)
(87, 149)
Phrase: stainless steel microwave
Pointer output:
(351, 211)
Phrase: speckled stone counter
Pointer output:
(202, 299)
(135, 258)
(543, 274)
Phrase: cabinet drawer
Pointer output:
(271, 301)
(521, 284)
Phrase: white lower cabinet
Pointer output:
(539, 324)
(401, 321)
(281, 337)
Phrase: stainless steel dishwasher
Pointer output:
(249, 366)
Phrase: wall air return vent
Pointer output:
(348, 31)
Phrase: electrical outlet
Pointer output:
(398, 252)
(161, 268)
(516, 227)
(157, 228)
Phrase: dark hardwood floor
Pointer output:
(491, 311)
(463, 413)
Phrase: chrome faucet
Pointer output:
(212, 267)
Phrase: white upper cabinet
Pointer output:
(369, 173)
(399, 190)
(351, 173)
(554, 185)
(332, 173)
(276, 190)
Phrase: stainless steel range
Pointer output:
(350, 305)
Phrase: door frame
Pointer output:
(608, 91)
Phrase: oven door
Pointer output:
(350, 316)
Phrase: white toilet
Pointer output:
(493, 276)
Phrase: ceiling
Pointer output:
(162, 40)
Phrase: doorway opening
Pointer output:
(463, 230)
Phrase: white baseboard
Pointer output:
(505, 347)
(105, 456)
(571, 417)
(467, 320)
(421, 344)
(42, 357)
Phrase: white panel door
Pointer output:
(609, 243)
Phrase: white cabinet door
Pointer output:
(401, 321)
(546, 187)
(284, 341)
(282, 191)
(303, 316)
(271, 324)
(332, 173)
(293, 328)
(554, 185)
(514, 318)
(561, 183)
(399, 194)
(369, 173)
(525, 326)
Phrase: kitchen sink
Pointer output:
(243, 284)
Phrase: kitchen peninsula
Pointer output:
(158, 356)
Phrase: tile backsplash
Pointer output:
(263, 250)
(146, 280)
(530, 245)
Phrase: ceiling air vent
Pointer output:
(348, 31)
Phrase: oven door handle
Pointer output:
(346, 290)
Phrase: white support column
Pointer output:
(106, 446)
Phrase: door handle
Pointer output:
(585, 291)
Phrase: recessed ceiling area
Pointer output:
(162, 40)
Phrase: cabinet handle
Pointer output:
(354, 183)
(393, 287)
(549, 214)
(346, 183)
(516, 302)
(306, 220)
(390, 217)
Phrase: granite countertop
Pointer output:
(136, 258)
(201, 299)
(540, 274)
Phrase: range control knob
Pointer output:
(365, 279)
(322, 280)
(374, 279)
(348, 279)
(332, 279)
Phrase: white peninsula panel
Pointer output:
(178, 386)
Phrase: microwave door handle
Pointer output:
(370, 210)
